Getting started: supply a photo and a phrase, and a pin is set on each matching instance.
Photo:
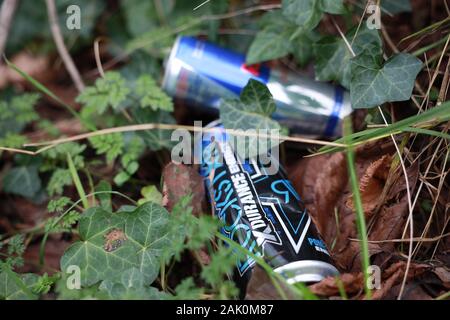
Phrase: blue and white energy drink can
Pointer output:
(262, 212)
(201, 74)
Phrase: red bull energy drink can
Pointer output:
(201, 74)
(262, 212)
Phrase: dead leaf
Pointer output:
(260, 287)
(181, 180)
(444, 275)
(35, 66)
(323, 183)
(372, 183)
(328, 287)
(353, 283)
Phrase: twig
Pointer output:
(6, 15)
(98, 59)
(162, 126)
(59, 41)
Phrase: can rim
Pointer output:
(168, 63)
(306, 271)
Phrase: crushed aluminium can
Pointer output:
(201, 74)
(262, 212)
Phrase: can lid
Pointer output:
(306, 271)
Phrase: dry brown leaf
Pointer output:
(372, 183)
(181, 180)
(323, 184)
(328, 287)
(260, 287)
(353, 283)
(35, 66)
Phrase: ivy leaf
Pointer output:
(305, 13)
(151, 95)
(252, 112)
(303, 47)
(332, 55)
(23, 181)
(113, 243)
(10, 290)
(111, 90)
(333, 6)
(396, 6)
(308, 13)
(272, 41)
(131, 286)
(375, 82)
(257, 97)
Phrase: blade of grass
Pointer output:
(341, 289)
(360, 218)
(77, 182)
(436, 114)
(430, 28)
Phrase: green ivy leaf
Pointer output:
(333, 6)
(332, 55)
(151, 95)
(396, 6)
(112, 243)
(131, 286)
(308, 13)
(111, 90)
(252, 112)
(274, 40)
(269, 44)
(23, 181)
(257, 98)
(375, 82)
(10, 290)
(305, 13)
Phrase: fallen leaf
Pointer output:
(353, 283)
(260, 287)
(179, 181)
(35, 66)
(323, 184)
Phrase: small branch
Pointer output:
(59, 41)
(6, 15)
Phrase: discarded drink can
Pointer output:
(201, 74)
(262, 212)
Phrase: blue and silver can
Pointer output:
(262, 212)
(201, 74)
